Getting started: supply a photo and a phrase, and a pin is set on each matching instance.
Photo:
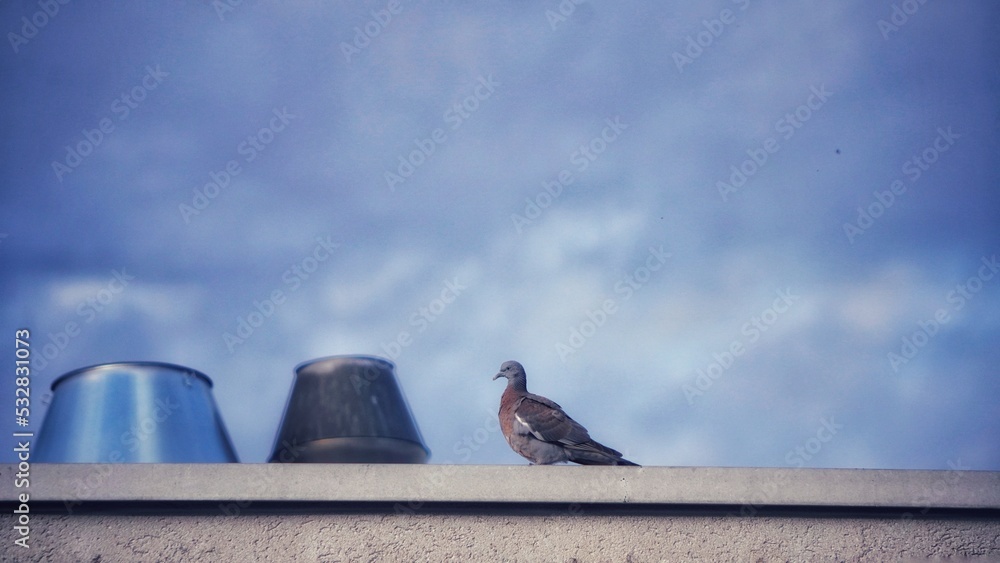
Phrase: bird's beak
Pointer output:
(497, 376)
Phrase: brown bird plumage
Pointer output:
(540, 431)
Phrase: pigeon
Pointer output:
(539, 430)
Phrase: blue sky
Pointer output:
(717, 233)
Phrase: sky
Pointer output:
(725, 233)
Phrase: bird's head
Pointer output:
(511, 370)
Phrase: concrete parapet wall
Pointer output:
(240, 512)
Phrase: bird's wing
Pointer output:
(546, 421)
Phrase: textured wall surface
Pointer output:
(99, 513)
(576, 535)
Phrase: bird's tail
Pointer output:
(593, 453)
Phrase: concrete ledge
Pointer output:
(264, 512)
(347, 483)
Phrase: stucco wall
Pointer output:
(556, 536)
(246, 512)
